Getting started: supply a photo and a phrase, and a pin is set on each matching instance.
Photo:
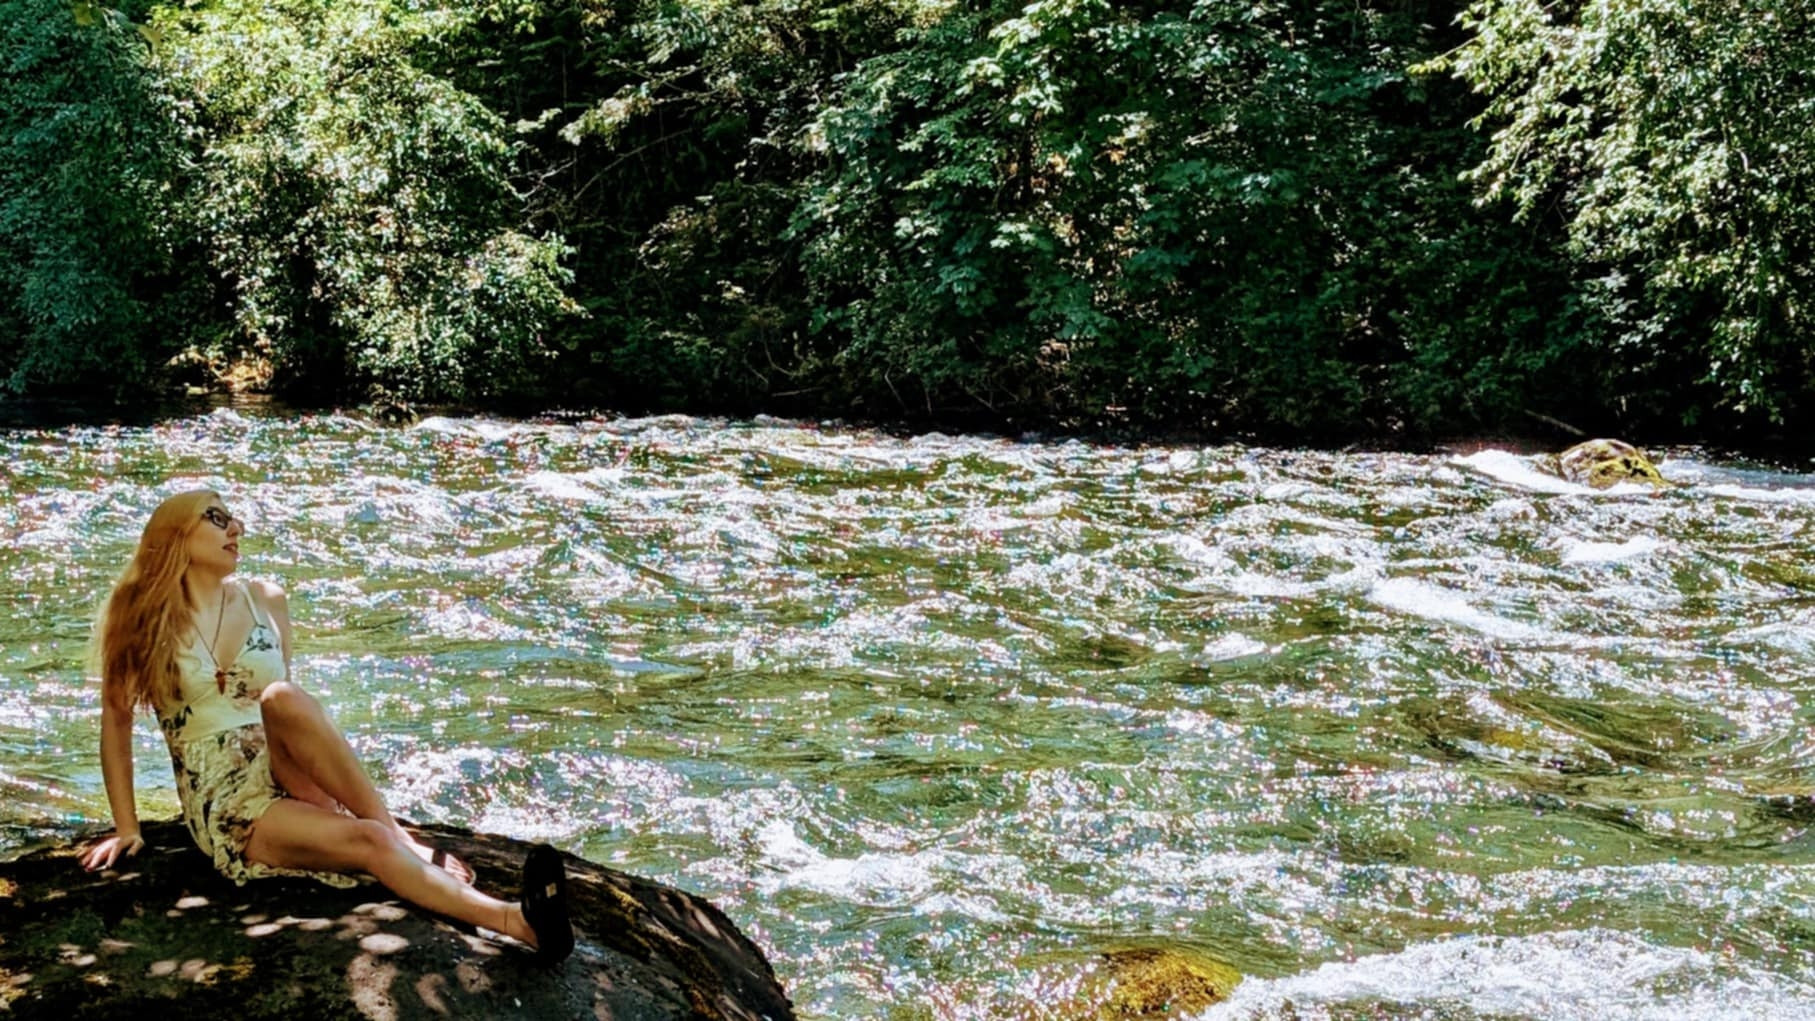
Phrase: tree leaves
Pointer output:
(1656, 132)
(84, 140)
(1225, 214)
(357, 205)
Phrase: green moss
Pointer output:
(1604, 463)
(1164, 982)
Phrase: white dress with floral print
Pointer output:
(218, 752)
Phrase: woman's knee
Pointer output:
(373, 842)
(287, 701)
(291, 835)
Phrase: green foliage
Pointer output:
(1224, 215)
(1675, 142)
(84, 146)
(356, 206)
(667, 142)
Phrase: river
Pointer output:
(933, 718)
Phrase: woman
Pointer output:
(267, 783)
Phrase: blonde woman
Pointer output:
(268, 784)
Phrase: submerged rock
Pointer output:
(1605, 463)
(1156, 982)
(164, 932)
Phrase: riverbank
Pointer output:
(1368, 226)
(1545, 435)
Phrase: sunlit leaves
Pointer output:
(1083, 206)
(1224, 214)
(357, 205)
(1674, 140)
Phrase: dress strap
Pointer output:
(252, 604)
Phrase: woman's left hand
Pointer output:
(104, 852)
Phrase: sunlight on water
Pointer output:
(1592, 975)
(942, 721)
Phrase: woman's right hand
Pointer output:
(109, 849)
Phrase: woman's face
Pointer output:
(214, 542)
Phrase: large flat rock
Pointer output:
(164, 934)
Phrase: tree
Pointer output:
(1216, 215)
(1674, 140)
(85, 145)
(356, 206)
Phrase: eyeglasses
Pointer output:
(218, 518)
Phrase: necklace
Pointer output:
(220, 672)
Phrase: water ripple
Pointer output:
(939, 719)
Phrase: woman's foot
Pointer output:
(544, 907)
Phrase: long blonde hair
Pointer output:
(144, 621)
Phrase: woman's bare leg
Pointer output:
(305, 743)
(298, 785)
(308, 750)
(296, 835)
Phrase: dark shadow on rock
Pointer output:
(165, 932)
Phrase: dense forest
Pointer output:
(1309, 219)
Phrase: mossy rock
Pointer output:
(1139, 983)
(1605, 463)
(1158, 982)
(165, 933)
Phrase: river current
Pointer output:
(936, 718)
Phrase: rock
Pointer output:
(165, 932)
(1604, 463)
(391, 411)
(1156, 982)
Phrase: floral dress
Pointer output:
(218, 752)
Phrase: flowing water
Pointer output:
(934, 719)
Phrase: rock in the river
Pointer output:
(1157, 982)
(164, 933)
(1604, 463)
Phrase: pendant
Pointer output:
(220, 679)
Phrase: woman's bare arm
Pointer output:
(116, 773)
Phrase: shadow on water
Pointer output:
(56, 413)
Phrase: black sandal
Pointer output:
(545, 904)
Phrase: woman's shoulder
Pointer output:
(267, 593)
